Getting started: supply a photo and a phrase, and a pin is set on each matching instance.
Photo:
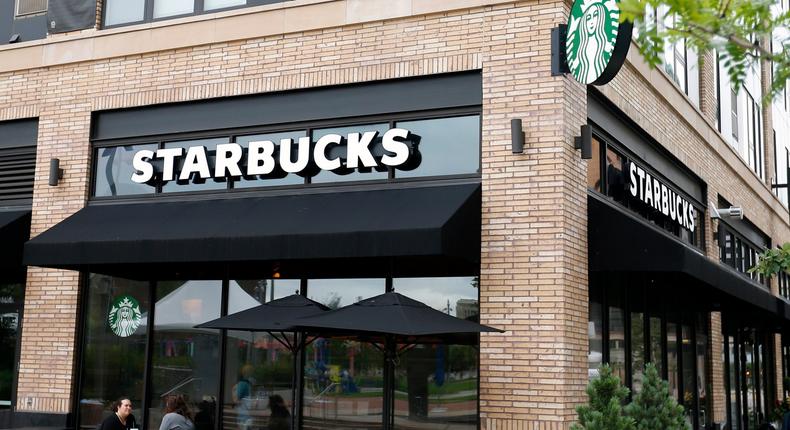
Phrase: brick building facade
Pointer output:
(534, 277)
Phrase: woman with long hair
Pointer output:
(592, 42)
(177, 414)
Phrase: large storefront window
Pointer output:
(257, 365)
(657, 330)
(438, 383)
(751, 387)
(344, 383)
(185, 359)
(445, 145)
(343, 380)
(114, 346)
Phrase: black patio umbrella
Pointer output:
(394, 317)
(390, 319)
(273, 318)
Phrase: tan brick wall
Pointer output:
(534, 244)
(536, 372)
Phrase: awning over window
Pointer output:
(14, 231)
(621, 242)
(359, 232)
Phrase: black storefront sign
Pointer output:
(652, 191)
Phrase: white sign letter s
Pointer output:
(632, 171)
(144, 169)
(399, 148)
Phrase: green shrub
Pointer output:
(605, 408)
(654, 407)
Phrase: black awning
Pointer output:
(191, 236)
(621, 242)
(14, 231)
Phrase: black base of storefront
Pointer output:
(34, 420)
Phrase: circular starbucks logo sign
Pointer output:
(592, 36)
(125, 316)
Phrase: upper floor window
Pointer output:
(754, 136)
(734, 112)
(402, 147)
(30, 7)
(121, 12)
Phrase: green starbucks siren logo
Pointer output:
(125, 316)
(592, 39)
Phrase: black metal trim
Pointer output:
(442, 91)
(82, 318)
(149, 352)
(223, 350)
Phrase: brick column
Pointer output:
(707, 87)
(534, 233)
(47, 366)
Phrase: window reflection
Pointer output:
(340, 151)
(219, 4)
(595, 335)
(123, 11)
(343, 380)
(594, 166)
(112, 365)
(257, 366)
(185, 359)
(438, 383)
(114, 171)
(277, 177)
(195, 183)
(448, 146)
(164, 8)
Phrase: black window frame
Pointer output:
(198, 9)
(308, 126)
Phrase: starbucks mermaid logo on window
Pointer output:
(124, 316)
(591, 38)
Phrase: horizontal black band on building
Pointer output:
(142, 239)
(620, 242)
(14, 231)
(374, 98)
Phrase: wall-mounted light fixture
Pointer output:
(584, 142)
(516, 136)
(730, 212)
(55, 172)
(15, 38)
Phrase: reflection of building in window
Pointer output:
(9, 321)
(466, 308)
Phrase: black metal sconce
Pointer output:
(584, 142)
(55, 172)
(516, 136)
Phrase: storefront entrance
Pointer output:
(750, 386)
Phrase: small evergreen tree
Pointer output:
(654, 407)
(605, 408)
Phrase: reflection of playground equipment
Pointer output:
(180, 384)
(320, 399)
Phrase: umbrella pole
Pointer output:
(296, 380)
(389, 384)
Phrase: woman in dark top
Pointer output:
(121, 418)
